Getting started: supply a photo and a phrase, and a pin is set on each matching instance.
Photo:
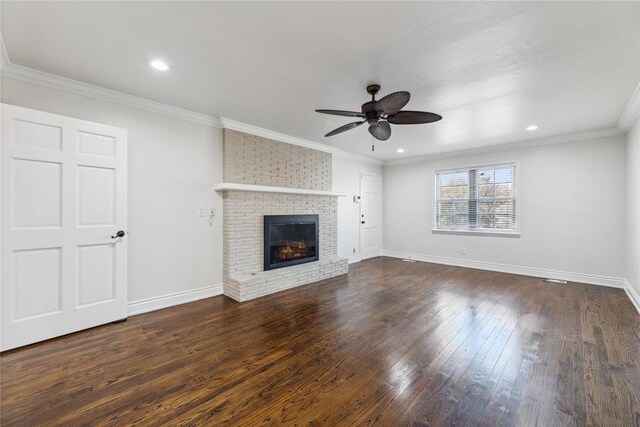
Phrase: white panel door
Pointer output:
(370, 207)
(64, 199)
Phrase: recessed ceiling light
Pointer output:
(400, 150)
(159, 65)
(532, 128)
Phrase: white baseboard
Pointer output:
(612, 282)
(177, 298)
(633, 295)
(355, 258)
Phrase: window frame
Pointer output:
(514, 232)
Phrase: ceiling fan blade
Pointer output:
(413, 117)
(393, 102)
(341, 113)
(381, 131)
(345, 128)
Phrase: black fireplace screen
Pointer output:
(290, 240)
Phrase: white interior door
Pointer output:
(370, 207)
(64, 195)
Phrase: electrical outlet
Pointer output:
(200, 211)
(463, 250)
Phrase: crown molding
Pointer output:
(277, 136)
(30, 75)
(572, 137)
(632, 112)
(4, 58)
(18, 72)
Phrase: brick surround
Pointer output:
(250, 159)
(253, 160)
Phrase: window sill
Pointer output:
(515, 234)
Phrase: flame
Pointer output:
(292, 250)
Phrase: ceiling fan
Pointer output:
(382, 112)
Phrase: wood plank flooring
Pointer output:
(392, 343)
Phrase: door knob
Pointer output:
(120, 233)
(361, 222)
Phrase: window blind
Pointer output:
(479, 199)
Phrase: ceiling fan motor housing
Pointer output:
(369, 109)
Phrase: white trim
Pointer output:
(4, 57)
(378, 253)
(354, 258)
(592, 279)
(572, 137)
(492, 233)
(19, 72)
(633, 295)
(30, 75)
(229, 186)
(632, 112)
(176, 298)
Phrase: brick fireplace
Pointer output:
(266, 178)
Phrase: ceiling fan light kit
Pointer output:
(378, 114)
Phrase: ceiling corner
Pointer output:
(631, 112)
(4, 57)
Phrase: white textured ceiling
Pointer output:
(490, 69)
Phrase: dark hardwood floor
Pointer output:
(392, 343)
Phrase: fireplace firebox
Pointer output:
(290, 240)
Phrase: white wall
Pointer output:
(572, 206)
(172, 166)
(346, 179)
(174, 163)
(633, 208)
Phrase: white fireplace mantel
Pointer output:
(229, 186)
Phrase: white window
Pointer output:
(477, 199)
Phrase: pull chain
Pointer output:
(373, 147)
